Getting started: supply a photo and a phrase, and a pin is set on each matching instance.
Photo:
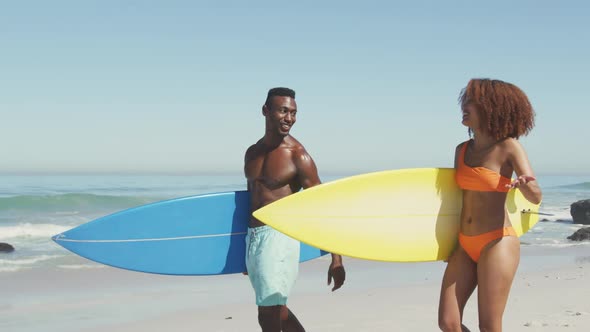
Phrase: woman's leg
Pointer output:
(458, 283)
(495, 272)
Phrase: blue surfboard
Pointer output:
(197, 235)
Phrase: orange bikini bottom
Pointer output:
(473, 245)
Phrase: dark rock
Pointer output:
(580, 211)
(580, 235)
(5, 247)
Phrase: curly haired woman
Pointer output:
(497, 114)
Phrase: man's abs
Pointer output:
(260, 196)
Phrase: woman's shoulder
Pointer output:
(460, 145)
(511, 146)
(509, 143)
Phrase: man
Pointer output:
(275, 167)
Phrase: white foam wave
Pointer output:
(28, 230)
(561, 244)
(562, 217)
(81, 266)
(10, 269)
(576, 227)
(7, 265)
(537, 229)
(67, 213)
(27, 261)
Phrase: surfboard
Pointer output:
(409, 215)
(197, 235)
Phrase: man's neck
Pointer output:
(273, 140)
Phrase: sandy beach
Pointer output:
(550, 293)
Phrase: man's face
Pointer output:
(280, 115)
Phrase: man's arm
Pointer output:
(307, 172)
(307, 175)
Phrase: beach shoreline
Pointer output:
(377, 297)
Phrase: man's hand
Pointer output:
(336, 272)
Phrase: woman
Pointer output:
(497, 114)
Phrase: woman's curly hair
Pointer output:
(504, 109)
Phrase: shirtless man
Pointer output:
(275, 167)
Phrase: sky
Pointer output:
(176, 87)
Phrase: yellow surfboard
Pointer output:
(408, 215)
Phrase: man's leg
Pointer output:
(269, 318)
(289, 322)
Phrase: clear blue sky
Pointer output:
(177, 86)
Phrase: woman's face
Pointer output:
(471, 117)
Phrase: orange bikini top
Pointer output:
(478, 178)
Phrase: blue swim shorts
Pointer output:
(272, 260)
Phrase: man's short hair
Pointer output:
(279, 92)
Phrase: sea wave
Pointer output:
(577, 186)
(70, 203)
(560, 244)
(28, 230)
(27, 261)
(13, 265)
(81, 266)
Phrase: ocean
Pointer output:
(34, 208)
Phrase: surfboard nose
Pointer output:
(56, 238)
